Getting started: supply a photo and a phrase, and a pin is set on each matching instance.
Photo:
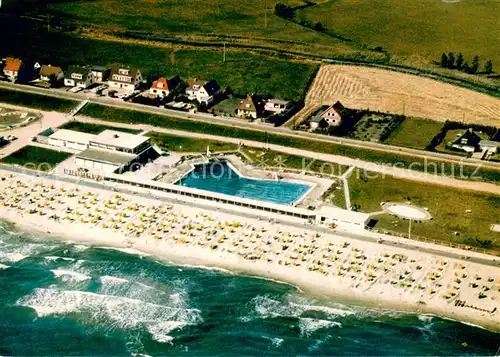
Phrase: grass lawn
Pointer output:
(446, 205)
(36, 158)
(269, 158)
(94, 128)
(403, 161)
(242, 72)
(227, 106)
(36, 101)
(185, 144)
(414, 133)
(417, 30)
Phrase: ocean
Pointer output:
(101, 301)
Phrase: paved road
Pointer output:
(366, 237)
(311, 156)
(204, 117)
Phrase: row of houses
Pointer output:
(127, 79)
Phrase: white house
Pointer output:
(467, 142)
(276, 106)
(124, 78)
(12, 68)
(204, 92)
(77, 76)
(162, 87)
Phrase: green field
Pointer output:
(278, 160)
(36, 158)
(414, 133)
(416, 31)
(403, 161)
(36, 101)
(446, 205)
(184, 144)
(94, 128)
(243, 72)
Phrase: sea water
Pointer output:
(99, 301)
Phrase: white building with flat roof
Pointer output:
(70, 139)
(342, 217)
(104, 161)
(120, 141)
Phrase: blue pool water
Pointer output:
(219, 177)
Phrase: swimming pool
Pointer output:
(220, 177)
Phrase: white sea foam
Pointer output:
(275, 341)
(106, 279)
(425, 318)
(266, 307)
(130, 251)
(3, 266)
(12, 257)
(53, 258)
(70, 275)
(124, 313)
(309, 325)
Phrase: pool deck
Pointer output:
(313, 198)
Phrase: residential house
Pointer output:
(276, 106)
(77, 76)
(124, 78)
(204, 92)
(162, 87)
(51, 73)
(490, 146)
(193, 86)
(100, 73)
(331, 117)
(12, 68)
(468, 141)
(250, 107)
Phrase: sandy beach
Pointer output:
(321, 264)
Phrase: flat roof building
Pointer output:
(120, 141)
(106, 161)
(70, 139)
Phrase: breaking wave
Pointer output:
(122, 312)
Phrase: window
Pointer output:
(76, 76)
(123, 71)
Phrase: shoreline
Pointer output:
(369, 285)
(301, 285)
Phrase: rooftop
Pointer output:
(343, 214)
(106, 156)
(73, 136)
(119, 139)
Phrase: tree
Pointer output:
(318, 26)
(460, 61)
(488, 67)
(444, 61)
(284, 11)
(474, 67)
(466, 68)
(451, 60)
